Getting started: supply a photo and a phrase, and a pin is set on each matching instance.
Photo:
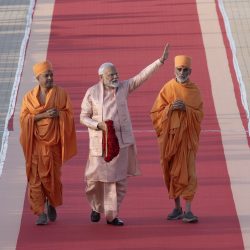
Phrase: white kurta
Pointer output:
(101, 104)
(125, 163)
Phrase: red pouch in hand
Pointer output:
(110, 142)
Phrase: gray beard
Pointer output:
(181, 79)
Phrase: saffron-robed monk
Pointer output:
(48, 139)
(107, 100)
(176, 115)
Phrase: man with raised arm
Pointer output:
(105, 102)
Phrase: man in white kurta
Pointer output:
(107, 100)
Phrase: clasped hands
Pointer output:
(52, 113)
(178, 105)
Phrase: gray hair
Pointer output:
(104, 66)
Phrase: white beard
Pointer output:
(181, 79)
(112, 84)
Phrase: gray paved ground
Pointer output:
(238, 12)
(12, 26)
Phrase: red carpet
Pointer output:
(132, 34)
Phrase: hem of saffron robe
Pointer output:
(187, 189)
(45, 178)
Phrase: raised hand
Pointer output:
(165, 53)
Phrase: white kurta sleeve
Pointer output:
(87, 113)
(140, 78)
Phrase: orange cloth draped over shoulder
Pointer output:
(178, 136)
(46, 143)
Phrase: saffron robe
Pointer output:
(46, 143)
(178, 136)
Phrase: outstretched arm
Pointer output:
(140, 78)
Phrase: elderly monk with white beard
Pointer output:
(106, 182)
(176, 115)
(48, 139)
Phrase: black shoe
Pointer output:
(51, 212)
(95, 216)
(116, 222)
